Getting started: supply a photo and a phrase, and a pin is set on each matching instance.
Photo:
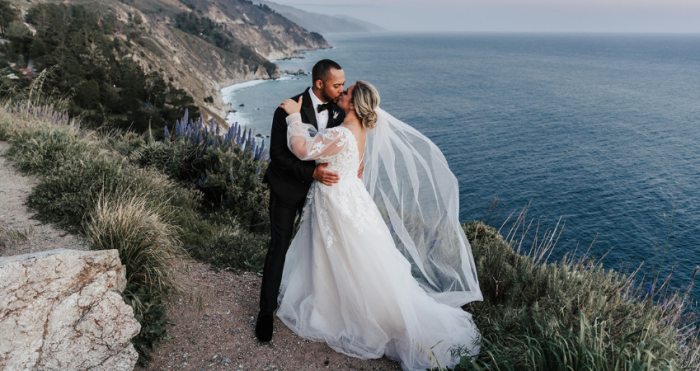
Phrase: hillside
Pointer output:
(254, 34)
(322, 23)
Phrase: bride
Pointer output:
(379, 266)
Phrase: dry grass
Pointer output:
(147, 242)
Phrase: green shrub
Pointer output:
(42, 151)
(230, 181)
(72, 190)
(226, 245)
(570, 315)
(150, 312)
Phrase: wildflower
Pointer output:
(211, 127)
(184, 118)
(651, 288)
(167, 134)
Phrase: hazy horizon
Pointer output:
(595, 16)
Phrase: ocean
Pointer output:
(600, 130)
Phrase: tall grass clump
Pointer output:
(571, 314)
(147, 242)
(148, 246)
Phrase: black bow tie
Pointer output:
(324, 106)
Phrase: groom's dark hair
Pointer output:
(322, 69)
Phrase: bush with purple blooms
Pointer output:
(227, 168)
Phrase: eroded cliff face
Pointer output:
(194, 64)
(201, 68)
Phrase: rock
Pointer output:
(61, 310)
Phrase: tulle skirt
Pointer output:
(346, 284)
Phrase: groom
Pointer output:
(290, 178)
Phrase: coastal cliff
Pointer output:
(192, 61)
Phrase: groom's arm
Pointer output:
(280, 154)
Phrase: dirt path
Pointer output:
(15, 217)
(216, 332)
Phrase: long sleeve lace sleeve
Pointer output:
(305, 144)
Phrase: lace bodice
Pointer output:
(336, 146)
(346, 162)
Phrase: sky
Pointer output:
(628, 16)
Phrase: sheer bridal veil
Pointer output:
(409, 179)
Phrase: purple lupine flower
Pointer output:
(211, 127)
(217, 129)
(184, 118)
(650, 290)
(167, 134)
(177, 127)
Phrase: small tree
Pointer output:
(7, 15)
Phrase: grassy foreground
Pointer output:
(159, 203)
(197, 195)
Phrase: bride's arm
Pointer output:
(306, 146)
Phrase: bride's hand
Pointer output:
(290, 106)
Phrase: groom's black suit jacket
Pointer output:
(288, 176)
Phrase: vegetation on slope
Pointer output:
(87, 63)
(573, 314)
(114, 188)
(220, 36)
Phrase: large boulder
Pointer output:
(61, 310)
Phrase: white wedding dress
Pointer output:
(345, 282)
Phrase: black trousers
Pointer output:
(282, 216)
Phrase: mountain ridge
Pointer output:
(189, 60)
(322, 23)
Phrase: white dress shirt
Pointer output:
(321, 117)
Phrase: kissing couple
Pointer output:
(379, 264)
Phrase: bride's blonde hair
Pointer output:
(365, 98)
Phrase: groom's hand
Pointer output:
(361, 170)
(324, 176)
